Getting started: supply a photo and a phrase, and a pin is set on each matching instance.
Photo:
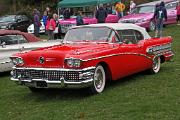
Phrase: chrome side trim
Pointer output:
(56, 69)
(112, 55)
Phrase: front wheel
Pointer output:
(156, 65)
(151, 26)
(99, 80)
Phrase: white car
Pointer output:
(30, 29)
(13, 41)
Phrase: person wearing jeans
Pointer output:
(50, 27)
(159, 15)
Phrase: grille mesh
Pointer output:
(51, 75)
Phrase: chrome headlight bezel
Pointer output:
(141, 20)
(17, 61)
(73, 62)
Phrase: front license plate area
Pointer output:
(41, 84)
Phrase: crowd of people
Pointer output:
(50, 21)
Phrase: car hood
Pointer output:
(10, 50)
(54, 56)
(5, 23)
(138, 16)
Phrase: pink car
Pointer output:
(142, 15)
(68, 23)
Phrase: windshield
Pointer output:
(94, 34)
(143, 9)
(7, 19)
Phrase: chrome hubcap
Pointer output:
(98, 79)
(155, 64)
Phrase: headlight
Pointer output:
(141, 20)
(73, 62)
(4, 27)
(17, 61)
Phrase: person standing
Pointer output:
(66, 13)
(79, 19)
(44, 18)
(36, 22)
(101, 14)
(132, 6)
(120, 7)
(159, 15)
(50, 27)
(178, 13)
(109, 8)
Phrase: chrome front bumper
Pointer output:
(53, 78)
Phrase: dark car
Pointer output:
(15, 22)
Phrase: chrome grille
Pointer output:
(51, 75)
(65, 27)
(128, 21)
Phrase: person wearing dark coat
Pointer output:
(79, 19)
(160, 15)
(66, 14)
(36, 22)
(101, 14)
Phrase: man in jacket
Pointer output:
(120, 7)
(101, 14)
(37, 23)
(159, 15)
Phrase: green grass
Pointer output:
(137, 97)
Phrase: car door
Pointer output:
(19, 25)
(171, 12)
(25, 22)
(132, 57)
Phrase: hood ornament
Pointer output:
(41, 60)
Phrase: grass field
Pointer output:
(138, 97)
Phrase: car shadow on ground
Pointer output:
(76, 94)
(79, 94)
(4, 74)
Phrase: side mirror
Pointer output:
(18, 20)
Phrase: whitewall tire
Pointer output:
(151, 26)
(156, 65)
(99, 80)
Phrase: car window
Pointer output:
(113, 37)
(130, 36)
(127, 36)
(95, 34)
(138, 35)
(12, 39)
(24, 18)
(171, 5)
(10, 18)
(19, 18)
(143, 9)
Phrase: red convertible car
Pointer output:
(90, 55)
